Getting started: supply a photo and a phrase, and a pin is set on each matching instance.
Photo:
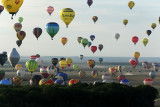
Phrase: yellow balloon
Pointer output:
(62, 64)
(12, 6)
(64, 40)
(67, 15)
(125, 21)
(69, 61)
(18, 67)
(153, 25)
(136, 55)
(131, 4)
(145, 41)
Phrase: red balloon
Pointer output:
(121, 77)
(50, 9)
(135, 39)
(93, 49)
(133, 62)
(33, 57)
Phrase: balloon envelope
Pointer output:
(52, 29)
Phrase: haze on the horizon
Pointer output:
(110, 13)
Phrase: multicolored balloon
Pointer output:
(37, 32)
(136, 55)
(91, 63)
(74, 81)
(62, 64)
(100, 47)
(52, 29)
(50, 10)
(145, 41)
(67, 15)
(46, 81)
(94, 73)
(31, 65)
(94, 18)
(44, 72)
(1, 9)
(17, 27)
(64, 40)
(69, 62)
(148, 82)
(18, 67)
(134, 62)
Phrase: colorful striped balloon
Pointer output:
(94, 73)
(37, 32)
(52, 29)
(46, 81)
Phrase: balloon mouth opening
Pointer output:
(12, 13)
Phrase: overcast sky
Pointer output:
(110, 21)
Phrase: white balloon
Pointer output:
(21, 73)
(40, 61)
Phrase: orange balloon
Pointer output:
(64, 40)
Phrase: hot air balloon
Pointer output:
(62, 64)
(63, 75)
(135, 39)
(82, 74)
(69, 61)
(74, 81)
(21, 35)
(67, 15)
(75, 67)
(64, 40)
(136, 55)
(13, 57)
(79, 39)
(12, 6)
(18, 67)
(148, 82)
(46, 81)
(35, 80)
(17, 27)
(31, 65)
(62, 58)
(121, 77)
(92, 37)
(20, 19)
(52, 29)
(93, 49)
(17, 80)
(145, 41)
(125, 22)
(94, 18)
(51, 69)
(159, 20)
(156, 67)
(1, 9)
(81, 57)
(100, 47)
(33, 57)
(40, 61)
(89, 44)
(133, 62)
(84, 42)
(37, 32)
(148, 32)
(91, 63)
(19, 42)
(94, 73)
(117, 35)
(50, 10)
(2, 74)
(44, 72)
(131, 4)
(100, 60)
(153, 25)
(21, 73)
(124, 82)
(3, 59)
(54, 61)
(59, 82)
(152, 74)
(89, 2)
(112, 71)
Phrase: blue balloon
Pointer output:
(5, 82)
(64, 75)
(92, 37)
(124, 81)
(52, 29)
(60, 82)
(89, 44)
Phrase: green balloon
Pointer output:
(75, 67)
(84, 42)
(31, 65)
(20, 19)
